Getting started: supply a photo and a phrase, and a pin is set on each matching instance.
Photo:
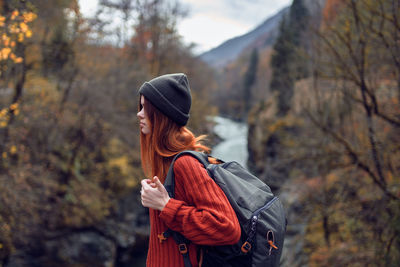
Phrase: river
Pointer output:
(233, 146)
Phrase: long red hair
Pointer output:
(165, 140)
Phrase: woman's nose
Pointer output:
(140, 114)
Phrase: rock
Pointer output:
(87, 248)
(119, 240)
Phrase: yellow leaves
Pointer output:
(332, 178)
(23, 27)
(29, 16)
(122, 163)
(20, 37)
(3, 117)
(5, 39)
(4, 53)
(5, 114)
(13, 149)
(14, 29)
(131, 182)
(122, 172)
(15, 58)
(14, 14)
(14, 106)
(282, 124)
(347, 25)
(7, 42)
(28, 33)
(277, 125)
(18, 60)
(43, 91)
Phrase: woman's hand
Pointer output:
(154, 194)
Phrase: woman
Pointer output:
(200, 211)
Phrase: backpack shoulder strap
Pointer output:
(169, 185)
(169, 182)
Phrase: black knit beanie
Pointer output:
(170, 94)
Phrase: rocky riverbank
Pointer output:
(120, 240)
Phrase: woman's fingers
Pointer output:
(158, 183)
(153, 194)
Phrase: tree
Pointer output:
(249, 80)
(287, 62)
(14, 30)
(356, 94)
(351, 44)
(156, 41)
(68, 126)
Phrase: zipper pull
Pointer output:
(271, 240)
(272, 244)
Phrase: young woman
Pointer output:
(200, 211)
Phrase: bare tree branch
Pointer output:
(353, 155)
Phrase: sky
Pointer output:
(211, 22)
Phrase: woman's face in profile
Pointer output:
(143, 118)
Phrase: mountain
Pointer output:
(230, 50)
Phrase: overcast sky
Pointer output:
(211, 22)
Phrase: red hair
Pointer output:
(165, 140)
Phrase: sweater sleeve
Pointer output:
(204, 216)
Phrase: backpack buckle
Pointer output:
(183, 248)
(246, 247)
(162, 237)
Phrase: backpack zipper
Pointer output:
(266, 206)
(253, 228)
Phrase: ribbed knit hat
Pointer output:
(170, 94)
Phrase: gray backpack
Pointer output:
(260, 214)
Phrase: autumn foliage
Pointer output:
(325, 134)
(69, 142)
(335, 156)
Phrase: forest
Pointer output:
(321, 102)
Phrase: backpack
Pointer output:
(260, 214)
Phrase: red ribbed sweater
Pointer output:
(200, 211)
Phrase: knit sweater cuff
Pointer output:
(169, 211)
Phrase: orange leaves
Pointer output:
(332, 8)
(23, 27)
(14, 29)
(5, 53)
(11, 151)
(3, 118)
(14, 14)
(6, 112)
(29, 17)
